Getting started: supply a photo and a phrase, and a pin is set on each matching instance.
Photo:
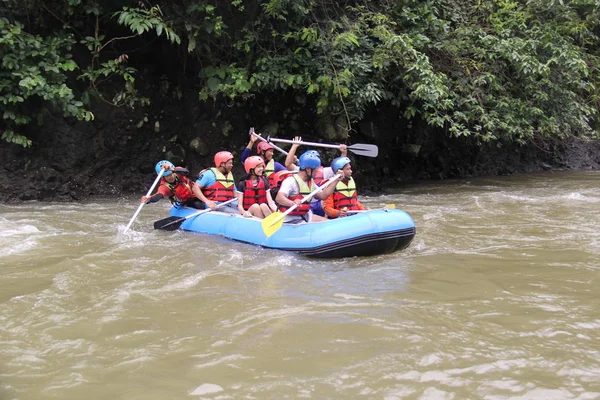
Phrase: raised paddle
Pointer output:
(173, 223)
(160, 174)
(273, 222)
(262, 139)
(361, 149)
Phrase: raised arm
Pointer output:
(290, 159)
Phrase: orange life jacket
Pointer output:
(222, 189)
(345, 196)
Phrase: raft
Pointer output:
(369, 233)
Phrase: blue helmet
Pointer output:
(316, 153)
(339, 163)
(159, 164)
(310, 160)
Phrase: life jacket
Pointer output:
(305, 189)
(269, 171)
(345, 196)
(181, 189)
(255, 194)
(222, 189)
(317, 175)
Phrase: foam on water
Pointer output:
(495, 298)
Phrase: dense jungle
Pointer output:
(94, 93)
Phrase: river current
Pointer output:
(497, 297)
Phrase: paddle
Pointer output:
(160, 174)
(361, 149)
(386, 207)
(273, 222)
(173, 223)
(262, 139)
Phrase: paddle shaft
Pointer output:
(262, 139)
(182, 219)
(160, 174)
(361, 149)
(386, 208)
(314, 144)
(363, 211)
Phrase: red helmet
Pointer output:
(252, 162)
(264, 146)
(279, 176)
(222, 157)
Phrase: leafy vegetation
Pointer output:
(495, 71)
(33, 69)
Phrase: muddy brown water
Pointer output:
(496, 298)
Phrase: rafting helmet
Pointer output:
(309, 160)
(316, 153)
(158, 167)
(264, 146)
(339, 163)
(279, 176)
(252, 162)
(222, 157)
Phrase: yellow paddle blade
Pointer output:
(389, 206)
(272, 223)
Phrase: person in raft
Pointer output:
(175, 185)
(344, 197)
(319, 175)
(279, 177)
(254, 194)
(265, 151)
(216, 185)
(295, 187)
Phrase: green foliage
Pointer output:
(33, 71)
(36, 67)
(141, 20)
(515, 72)
(498, 70)
(502, 70)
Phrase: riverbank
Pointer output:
(115, 155)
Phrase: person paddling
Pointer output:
(321, 173)
(216, 185)
(254, 196)
(174, 185)
(344, 197)
(295, 187)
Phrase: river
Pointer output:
(496, 298)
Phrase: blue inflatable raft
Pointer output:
(363, 234)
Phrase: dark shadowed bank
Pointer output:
(115, 155)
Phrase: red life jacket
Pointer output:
(181, 189)
(305, 189)
(317, 175)
(222, 189)
(345, 196)
(255, 194)
(269, 172)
